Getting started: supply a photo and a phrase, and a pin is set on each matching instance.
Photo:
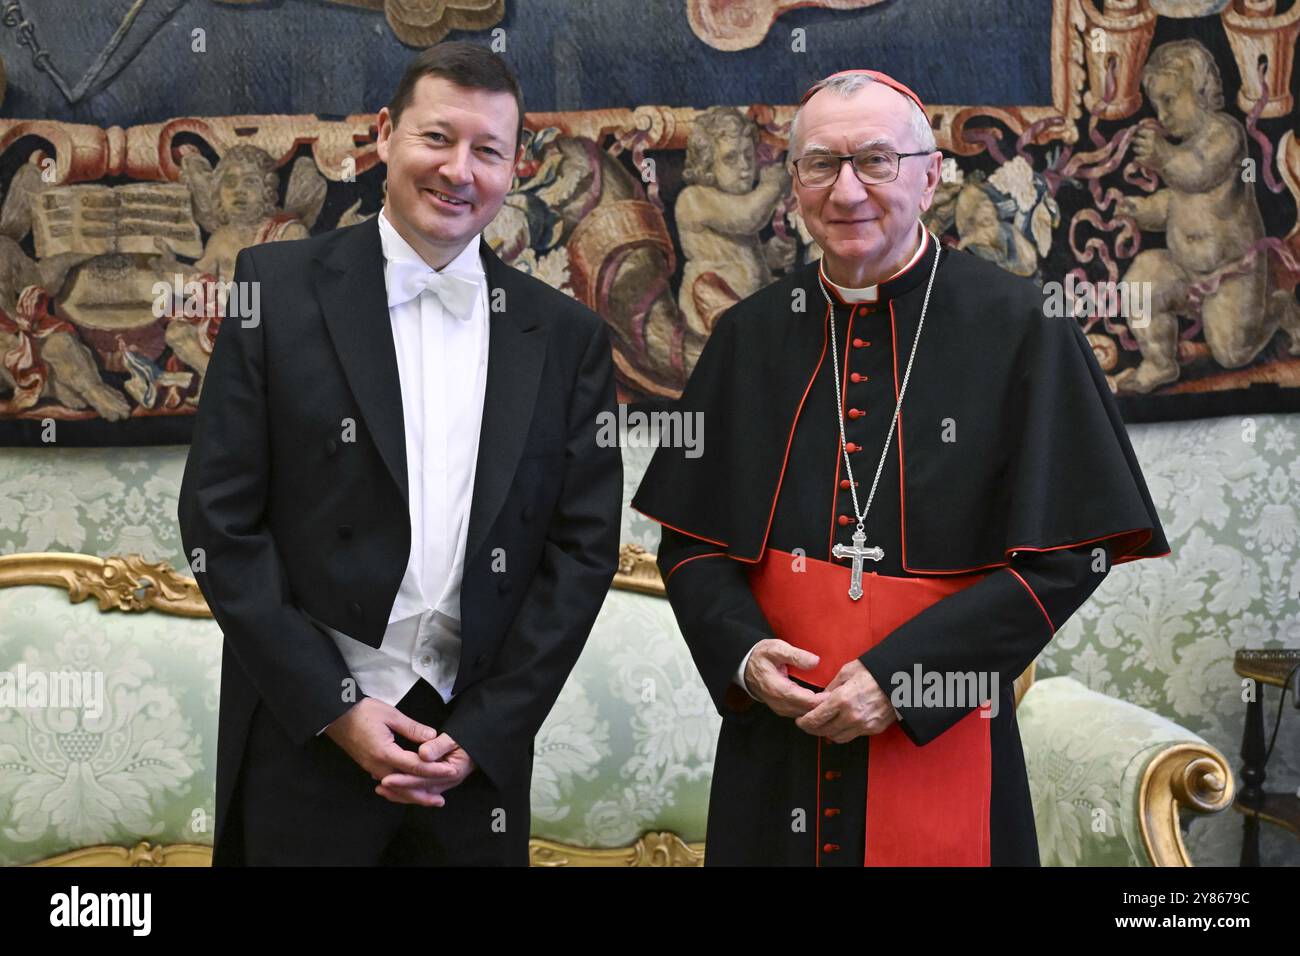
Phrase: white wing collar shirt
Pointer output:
(440, 333)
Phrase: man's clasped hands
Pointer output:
(852, 705)
(368, 731)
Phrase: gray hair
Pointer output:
(845, 86)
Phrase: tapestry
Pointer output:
(1135, 158)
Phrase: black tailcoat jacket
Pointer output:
(284, 509)
(1010, 462)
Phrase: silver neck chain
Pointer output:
(839, 398)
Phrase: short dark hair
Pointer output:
(465, 64)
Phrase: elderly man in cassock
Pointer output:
(914, 477)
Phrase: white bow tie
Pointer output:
(457, 290)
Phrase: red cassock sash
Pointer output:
(926, 806)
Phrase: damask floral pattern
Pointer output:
(134, 767)
(1162, 633)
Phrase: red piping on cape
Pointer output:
(776, 496)
(694, 557)
(697, 537)
(844, 391)
(784, 461)
(902, 508)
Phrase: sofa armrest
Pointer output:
(1109, 778)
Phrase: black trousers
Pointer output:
(315, 806)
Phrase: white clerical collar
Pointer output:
(871, 293)
(395, 247)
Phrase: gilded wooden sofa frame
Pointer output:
(1185, 776)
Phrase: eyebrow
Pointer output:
(442, 125)
(874, 143)
(877, 143)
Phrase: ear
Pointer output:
(384, 125)
(933, 176)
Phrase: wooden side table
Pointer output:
(1265, 667)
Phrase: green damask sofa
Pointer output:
(623, 762)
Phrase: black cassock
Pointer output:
(1015, 468)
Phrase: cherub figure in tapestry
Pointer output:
(237, 203)
(1215, 263)
(720, 214)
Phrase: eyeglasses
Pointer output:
(872, 167)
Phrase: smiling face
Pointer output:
(866, 232)
(451, 159)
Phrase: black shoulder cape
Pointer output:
(1009, 437)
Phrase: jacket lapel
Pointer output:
(516, 353)
(354, 300)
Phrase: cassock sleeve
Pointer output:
(716, 613)
(997, 625)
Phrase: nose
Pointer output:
(456, 168)
(847, 190)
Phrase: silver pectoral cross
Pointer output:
(859, 553)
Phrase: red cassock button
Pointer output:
(830, 848)
(851, 448)
(858, 343)
(844, 484)
(856, 413)
(832, 811)
(832, 775)
(855, 378)
(844, 519)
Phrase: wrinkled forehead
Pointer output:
(437, 99)
(872, 116)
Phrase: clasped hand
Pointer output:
(367, 733)
(852, 705)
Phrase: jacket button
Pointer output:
(528, 513)
(345, 531)
(481, 660)
(504, 586)
(355, 608)
(331, 446)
